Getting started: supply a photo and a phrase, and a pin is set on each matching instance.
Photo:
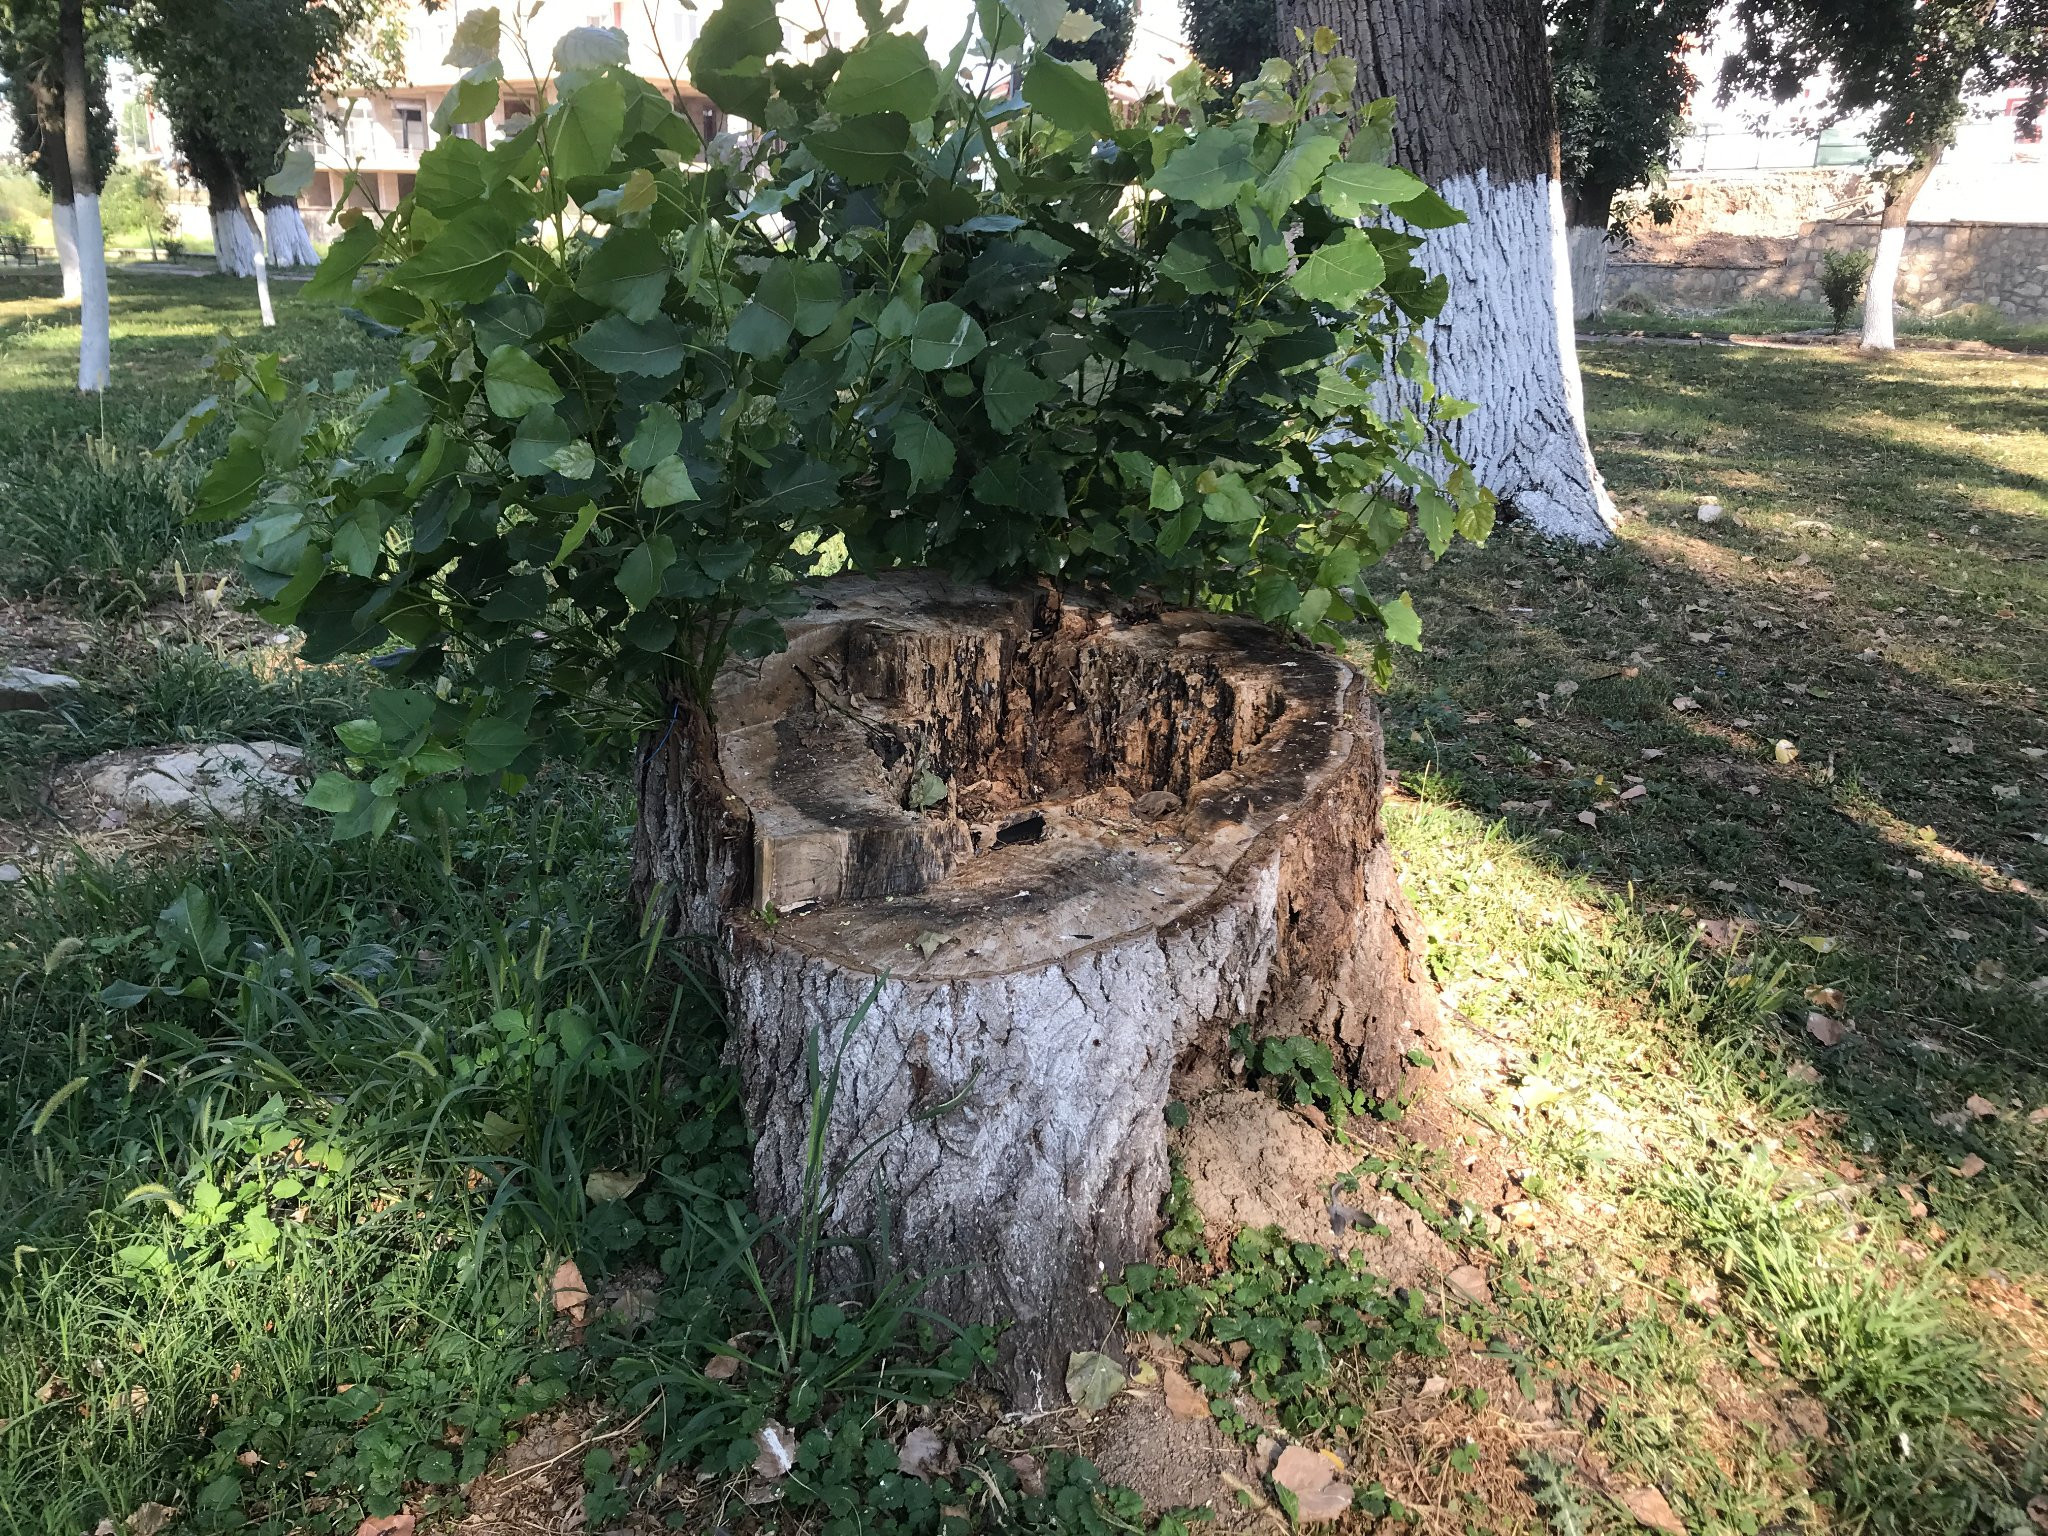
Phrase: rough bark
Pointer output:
(93, 318)
(1880, 293)
(284, 233)
(1587, 247)
(1475, 118)
(1153, 829)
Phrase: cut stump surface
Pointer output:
(1066, 851)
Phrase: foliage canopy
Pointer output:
(1623, 84)
(985, 327)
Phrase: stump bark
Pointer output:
(1153, 827)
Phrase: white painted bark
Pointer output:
(284, 233)
(263, 286)
(1880, 292)
(64, 233)
(1587, 245)
(1505, 342)
(94, 341)
(234, 243)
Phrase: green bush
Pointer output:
(1006, 336)
(1842, 275)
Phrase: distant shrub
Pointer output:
(1842, 275)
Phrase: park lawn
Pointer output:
(1737, 1267)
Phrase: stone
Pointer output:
(10, 874)
(232, 780)
(28, 688)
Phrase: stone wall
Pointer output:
(1761, 238)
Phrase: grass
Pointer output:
(299, 1134)
(87, 514)
(1857, 1225)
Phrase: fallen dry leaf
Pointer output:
(1683, 704)
(148, 1519)
(602, 1185)
(924, 1453)
(1469, 1281)
(2038, 1116)
(1030, 1476)
(722, 1367)
(1784, 751)
(1092, 1380)
(1969, 1167)
(1184, 1400)
(1980, 1107)
(1803, 1072)
(569, 1292)
(399, 1524)
(1785, 883)
(1635, 792)
(777, 1451)
(1434, 1387)
(1652, 1509)
(1829, 998)
(1319, 1493)
(2037, 1511)
(1828, 1031)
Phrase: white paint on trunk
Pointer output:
(1879, 292)
(234, 243)
(93, 345)
(284, 232)
(64, 231)
(1505, 342)
(263, 287)
(1587, 245)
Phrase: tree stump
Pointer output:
(1067, 850)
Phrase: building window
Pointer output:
(320, 191)
(412, 125)
(405, 184)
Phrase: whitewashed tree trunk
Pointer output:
(234, 242)
(94, 342)
(1475, 118)
(64, 234)
(1881, 290)
(285, 236)
(1588, 248)
(1152, 831)
(94, 313)
(262, 283)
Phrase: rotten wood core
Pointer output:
(1064, 850)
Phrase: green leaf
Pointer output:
(514, 383)
(723, 559)
(336, 278)
(944, 336)
(230, 485)
(1011, 391)
(926, 450)
(1092, 1380)
(640, 573)
(729, 60)
(292, 176)
(1167, 495)
(1341, 272)
(653, 348)
(454, 174)
(1350, 187)
(1213, 170)
(889, 73)
(472, 99)
(1401, 622)
(659, 434)
(757, 331)
(585, 128)
(541, 434)
(578, 531)
(574, 460)
(476, 39)
(1198, 263)
(1294, 177)
(862, 150)
(666, 484)
(1429, 211)
(464, 262)
(1437, 518)
(391, 427)
(1232, 502)
(336, 793)
(629, 272)
(1068, 96)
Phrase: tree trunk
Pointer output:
(1588, 250)
(64, 233)
(1476, 119)
(1880, 293)
(284, 233)
(1064, 851)
(93, 340)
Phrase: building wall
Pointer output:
(1761, 237)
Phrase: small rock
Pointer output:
(232, 780)
(1709, 512)
(10, 873)
(1469, 1281)
(26, 688)
(1155, 806)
